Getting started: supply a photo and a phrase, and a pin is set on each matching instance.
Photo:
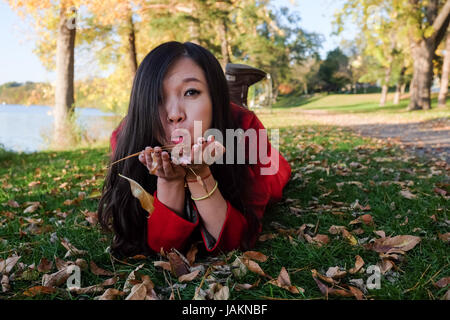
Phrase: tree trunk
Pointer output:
(132, 55)
(422, 77)
(445, 71)
(422, 52)
(385, 87)
(64, 88)
(223, 34)
(399, 86)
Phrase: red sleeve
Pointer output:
(267, 189)
(114, 134)
(166, 229)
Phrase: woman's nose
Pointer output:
(175, 117)
(175, 114)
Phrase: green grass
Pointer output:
(363, 104)
(320, 157)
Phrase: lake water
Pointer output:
(26, 129)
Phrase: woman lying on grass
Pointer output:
(175, 85)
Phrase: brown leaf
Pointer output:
(99, 271)
(132, 276)
(385, 265)
(189, 277)
(358, 265)
(110, 294)
(365, 219)
(13, 204)
(36, 290)
(5, 283)
(380, 233)
(86, 290)
(163, 264)
(45, 265)
(31, 207)
(254, 255)
(247, 286)
(335, 273)
(356, 292)
(325, 290)
(267, 236)
(7, 265)
(110, 281)
(55, 279)
(177, 264)
(321, 239)
(190, 256)
(145, 198)
(71, 250)
(336, 229)
(443, 282)
(444, 237)
(322, 277)
(91, 217)
(403, 242)
(440, 191)
(284, 281)
(407, 194)
(254, 267)
(138, 292)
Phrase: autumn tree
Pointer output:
(424, 23)
(65, 10)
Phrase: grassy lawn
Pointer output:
(359, 104)
(338, 179)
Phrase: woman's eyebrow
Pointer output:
(192, 79)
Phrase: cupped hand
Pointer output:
(158, 163)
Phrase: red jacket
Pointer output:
(167, 229)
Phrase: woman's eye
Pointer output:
(191, 92)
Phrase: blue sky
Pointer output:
(19, 63)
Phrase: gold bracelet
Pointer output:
(208, 195)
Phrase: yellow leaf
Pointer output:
(145, 198)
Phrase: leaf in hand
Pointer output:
(145, 198)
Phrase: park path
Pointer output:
(429, 138)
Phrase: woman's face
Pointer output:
(186, 99)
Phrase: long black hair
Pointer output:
(118, 210)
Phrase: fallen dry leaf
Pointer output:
(402, 242)
(110, 294)
(56, 279)
(188, 277)
(7, 265)
(36, 290)
(284, 281)
(45, 265)
(99, 271)
(335, 273)
(442, 283)
(358, 265)
(365, 219)
(444, 237)
(254, 255)
(138, 292)
(145, 198)
(31, 207)
(190, 256)
(407, 194)
(5, 283)
(179, 265)
(71, 250)
(254, 267)
(163, 264)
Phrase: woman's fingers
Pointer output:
(167, 166)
